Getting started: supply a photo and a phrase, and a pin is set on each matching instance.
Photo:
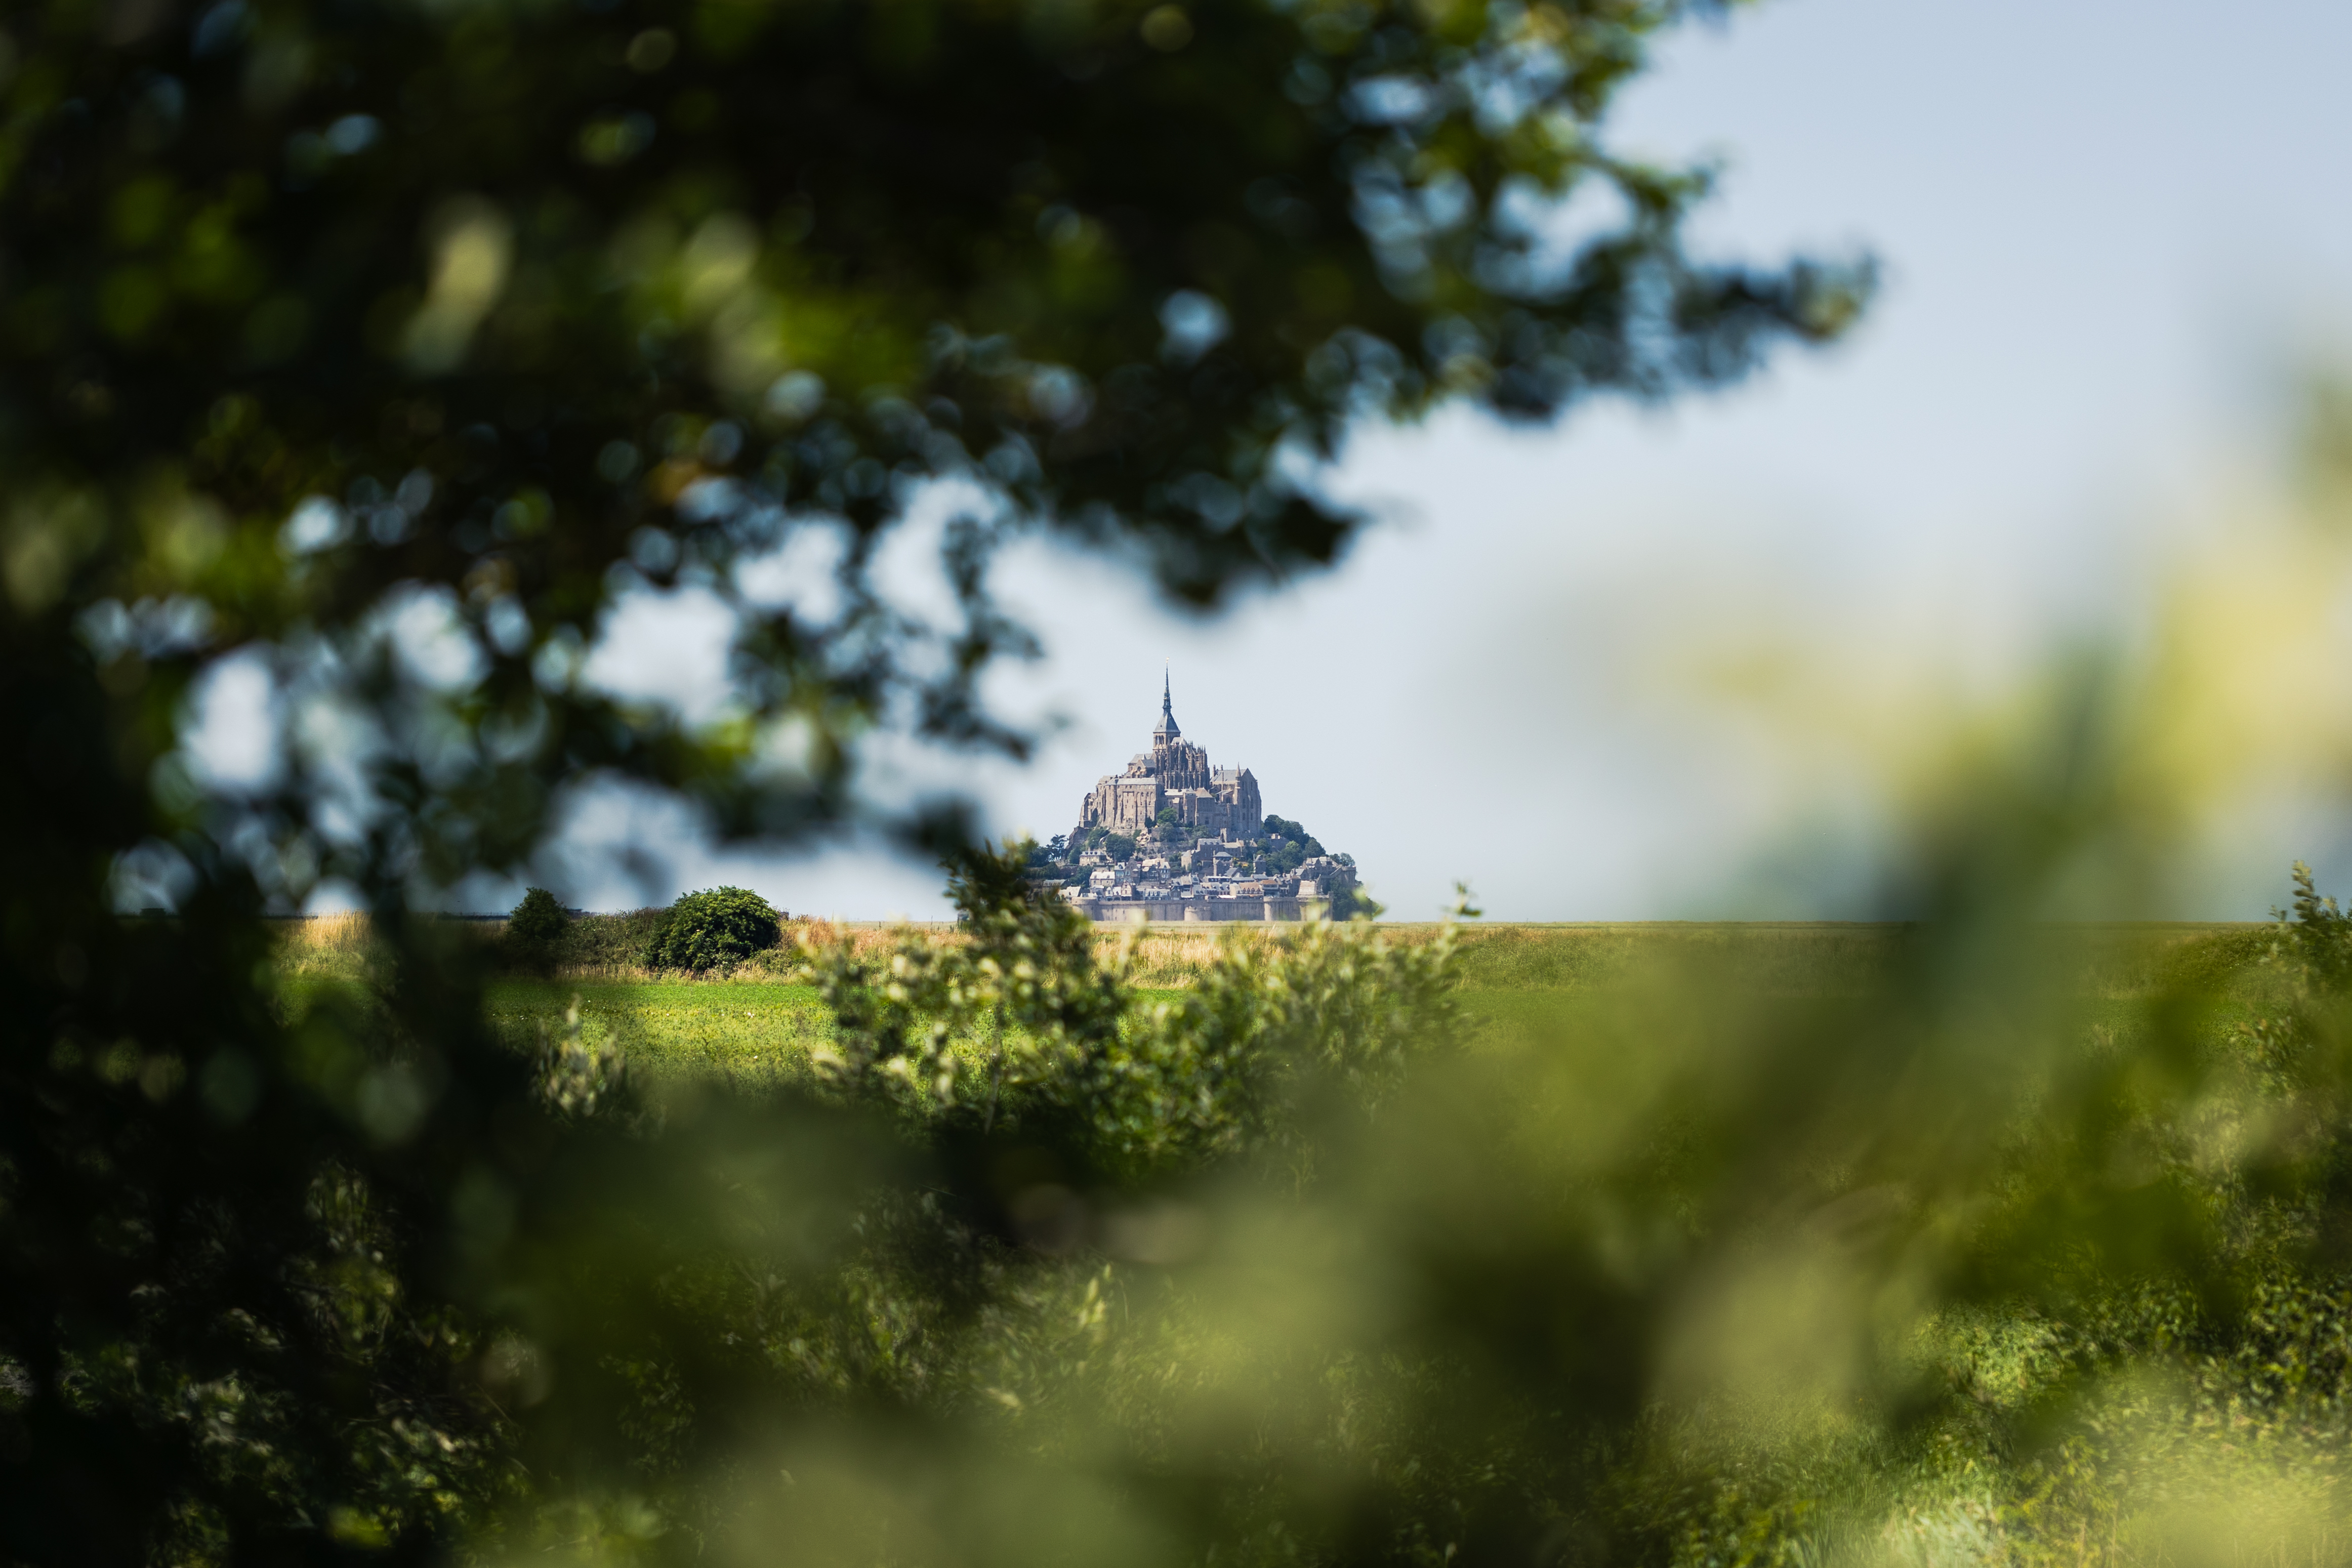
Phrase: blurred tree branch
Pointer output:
(391, 344)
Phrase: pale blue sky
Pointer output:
(2109, 230)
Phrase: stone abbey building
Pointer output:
(1192, 865)
(1221, 803)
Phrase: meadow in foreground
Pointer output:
(754, 1022)
(1683, 1244)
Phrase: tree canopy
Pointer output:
(712, 929)
(537, 918)
(1298, 843)
(514, 305)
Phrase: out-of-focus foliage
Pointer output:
(211, 1323)
(330, 331)
(1948, 1257)
(1940, 1251)
(2319, 935)
(1020, 1019)
(1041, 1124)
(386, 344)
(717, 928)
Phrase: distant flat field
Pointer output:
(1517, 980)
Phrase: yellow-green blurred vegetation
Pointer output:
(1691, 1244)
(2006, 1231)
(1511, 975)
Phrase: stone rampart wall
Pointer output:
(1118, 910)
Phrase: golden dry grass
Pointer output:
(328, 933)
(1787, 956)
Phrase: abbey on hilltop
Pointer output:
(1174, 774)
(1173, 839)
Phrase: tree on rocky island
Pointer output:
(1296, 845)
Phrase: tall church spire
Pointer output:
(1167, 725)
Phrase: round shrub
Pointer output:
(538, 921)
(715, 927)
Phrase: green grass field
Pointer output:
(1519, 980)
(742, 1032)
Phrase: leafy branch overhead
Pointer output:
(308, 302)
(382, 348)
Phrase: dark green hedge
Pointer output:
(613, 942)
(700, 932)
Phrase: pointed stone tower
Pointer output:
(1176, 762)
(1166, 729)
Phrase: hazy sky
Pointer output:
(2108, 229)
